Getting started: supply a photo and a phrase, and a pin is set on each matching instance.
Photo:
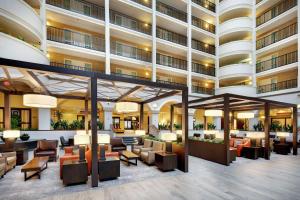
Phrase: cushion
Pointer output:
(68, 150)
(47, 144)
(157, 146)
(11, 160)
(144, 155)
(116, 141)
(147, 143)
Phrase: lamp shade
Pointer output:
(80, 132)
(103, 139)
(255, 134)
(282, 134)
(39, 101)
(245, 115)
(81, 139)
(234, 131)
(213, 113)
(140, 132)
(11, 134)
(126, 107)
(179, 132)
(168, 137)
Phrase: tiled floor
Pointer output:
(278, 178)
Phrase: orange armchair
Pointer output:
(245, 143)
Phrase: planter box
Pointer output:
(209, 151)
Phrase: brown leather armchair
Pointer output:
(47, 148)
(117, 145)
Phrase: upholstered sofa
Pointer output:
(117, 145)
(148, 155)
(47, 148)
(72, 154)
(137, 149)
(8, 161)
(239, 144)
(2, 167)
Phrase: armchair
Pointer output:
(117, 145)
(2, 167)
(137, 149)
(244, 143)
(46, 148)
(9, 160)
(149, 156)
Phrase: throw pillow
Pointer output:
(237, 142)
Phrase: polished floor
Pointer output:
(278, 178)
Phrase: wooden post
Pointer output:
(141, 116)
(204, 123)
(86, 115)
(226, 130)
(185, 128)
(295, 134)
(94, 131)
(232, 120)
(7, 111)
(267, 131)
(171, 118)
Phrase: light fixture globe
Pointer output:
(39, 101)
(126, 107)
(245, 115)
(213, 113)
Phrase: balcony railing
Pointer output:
(76, 39)
(80, 6)
(129, 22)
(171, 36)
(279, 61)
(201, 69)
(147, 3)
(173, 12)
(63, 65)
(129, 51)
(130, 76)
(277, 36)
(275, 11)
(202, 90)
(203, 24)
(288, 84)
(170, 82)
(201, 46)
(171, 61)
(206, 4)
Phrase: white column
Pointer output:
(44, 119)
(154, 118)
(189, 44)
(107, 38)
(254, 43)
(298, 6)
(191, 113)
(107, 119)
(154, 40)
(217, 122)
(44, 26)
(217, 45)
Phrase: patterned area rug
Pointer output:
(13, 186)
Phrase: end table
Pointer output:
(22, 156)
(74, 172)
(166, 161)
(109, 169)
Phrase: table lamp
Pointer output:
(10, 137)
(103, 139)
(140, 132)
(169, 138)
(282, 136)
(82, 141)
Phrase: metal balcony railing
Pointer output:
(63, 65)
(80, 6)
(283, 85)
(169, 10)
(203, 24)
(202, 90)
(171, 61)
(171, 36)
(76, 39)
(275, 11)
(206, 4)
(130, 51)
(202, 69)
(147, 3)
(277, 36)
(201, 46)
(279, 61)
(129, 22)
(170, 82)
(130, 76)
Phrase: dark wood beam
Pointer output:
(167, 94)
(226, 130)
(185, 129)
(131, 91)
(267, 130)
(207, 98)
(44, 88)
(171, 117)
(141, 116)
(86, 115)
(7, 111)
(295, 127)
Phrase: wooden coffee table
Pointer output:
(127, 156)
(36, 165)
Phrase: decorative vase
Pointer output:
(24, 137)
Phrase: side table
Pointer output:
(282, 148)
(22, 156)
(74, 172)
(252, 152)
(166, 161)
(109, 169)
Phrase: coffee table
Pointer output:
(127, 156)
(36, 165)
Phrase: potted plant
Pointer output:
(24, 137)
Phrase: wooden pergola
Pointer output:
(69, 83)
(235, 103)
